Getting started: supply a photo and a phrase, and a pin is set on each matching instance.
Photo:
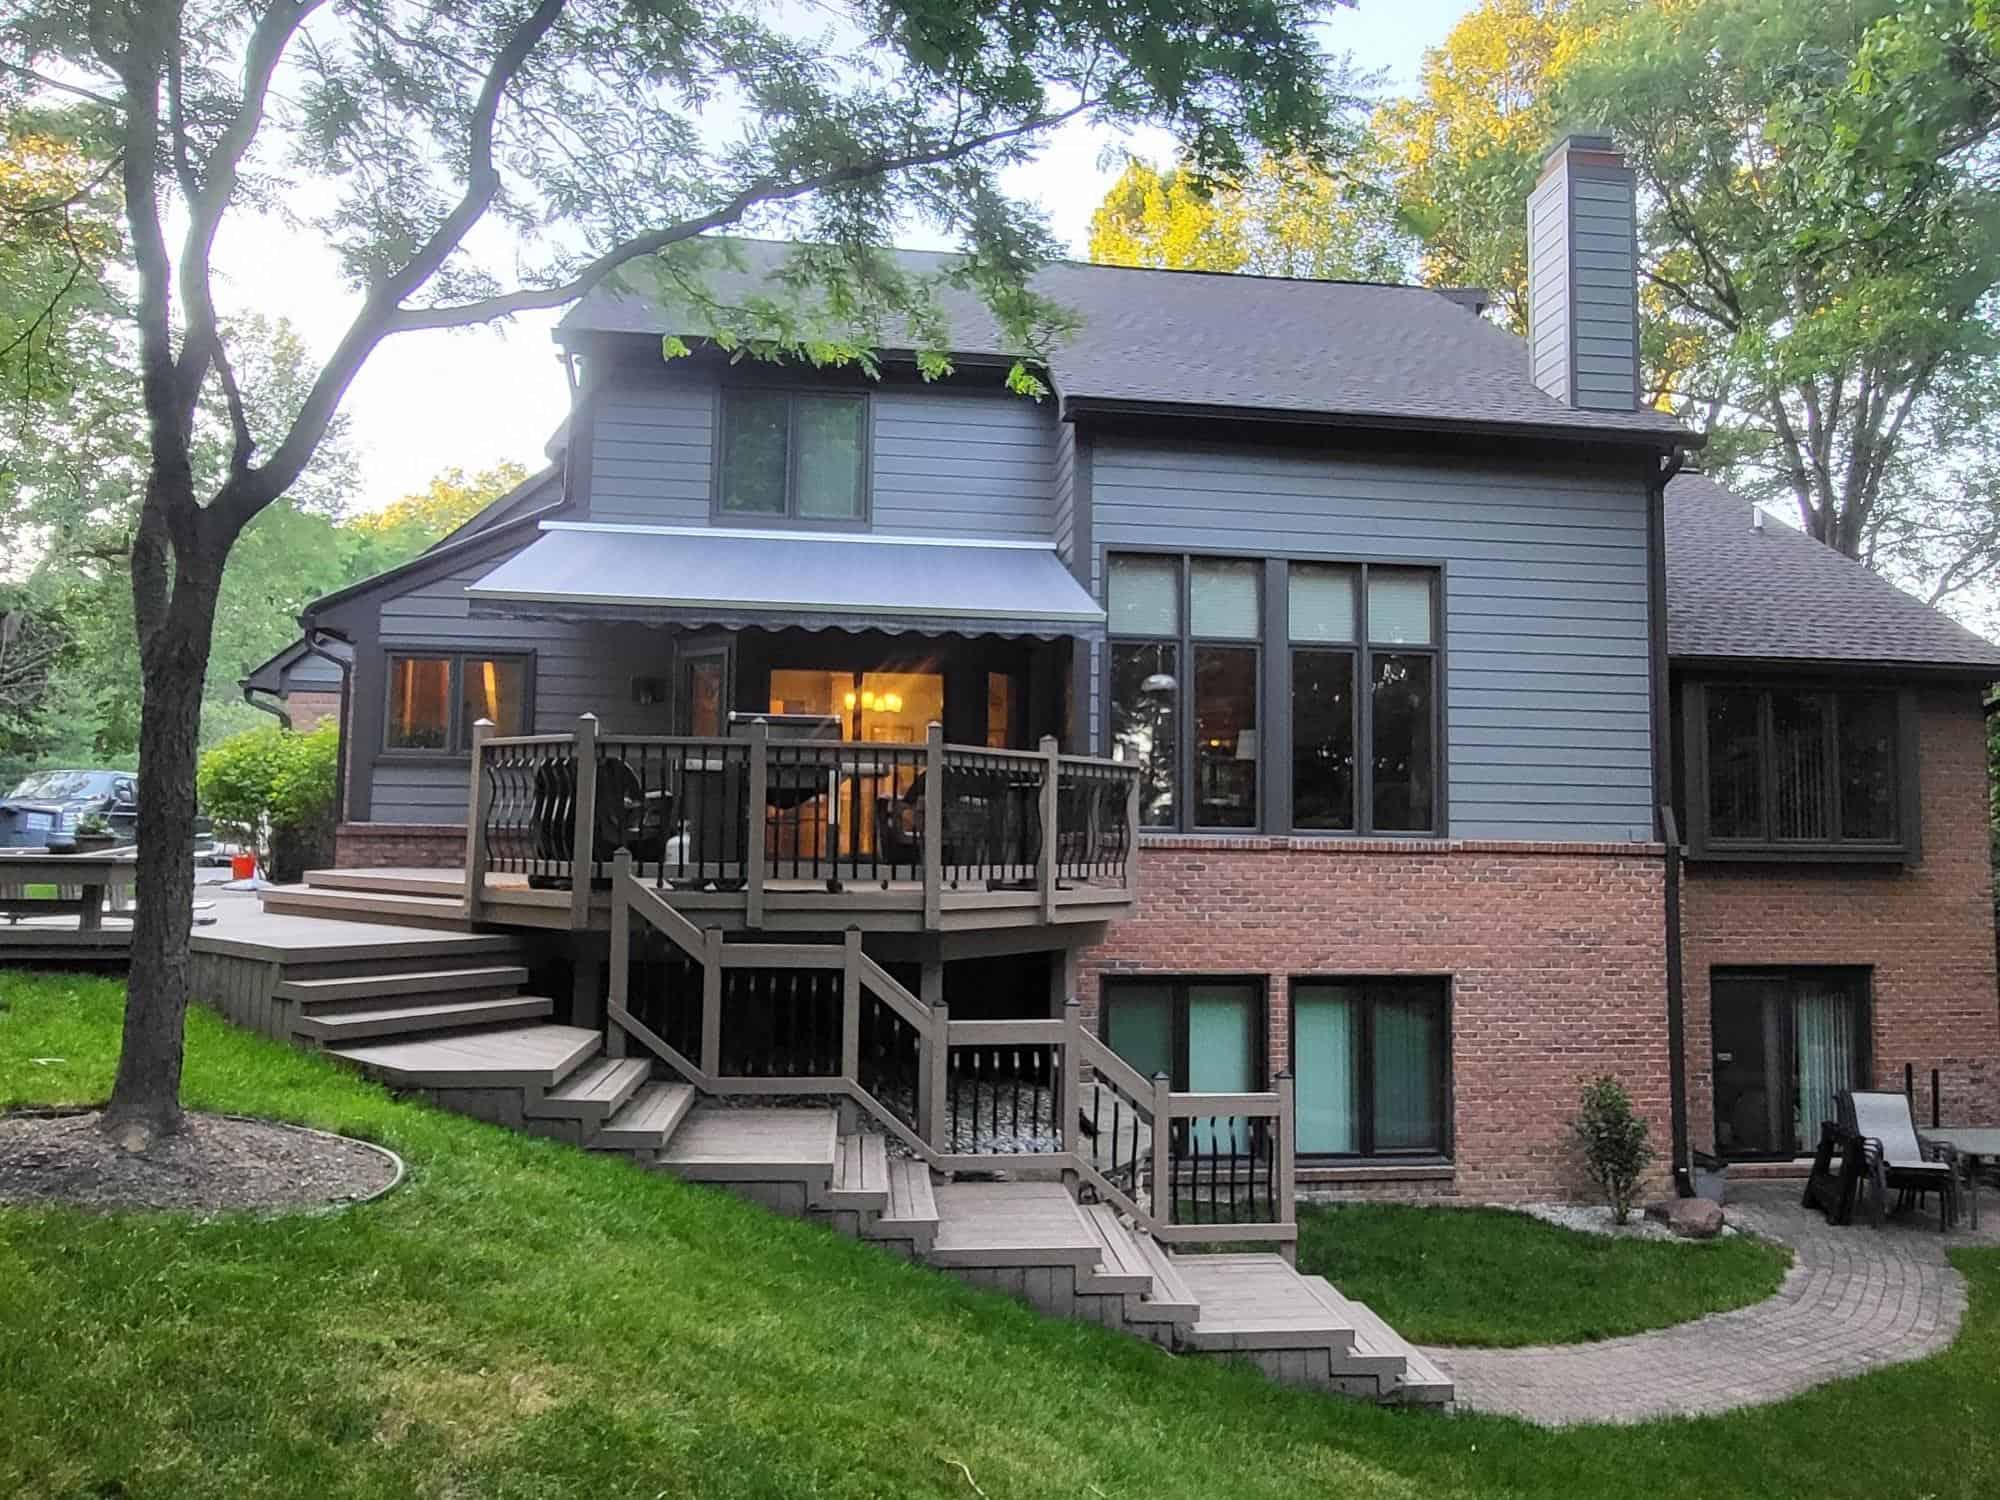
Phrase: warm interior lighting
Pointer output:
(490, 682)
(849, 701)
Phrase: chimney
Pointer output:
(1583, 287)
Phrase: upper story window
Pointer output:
(1778, 769)
(434, 700)
(794, 456)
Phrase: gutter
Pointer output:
(1670, 835)
(250, 697)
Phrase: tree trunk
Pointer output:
(146, 1098)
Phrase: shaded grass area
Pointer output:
(1490, 1277)
(523, 1320)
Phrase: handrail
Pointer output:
(1007, 1033)
(1108, 1064)
(883, 986)
(1249, 1106)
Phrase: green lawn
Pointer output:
(521, 1320)
(1486, 1276)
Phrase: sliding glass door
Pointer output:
(1786, 1042)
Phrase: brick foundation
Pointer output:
(420, 846)
(1924, 931)
(1555, 952)
(309, 710)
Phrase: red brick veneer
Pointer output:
(424, 846)
(1555, 953)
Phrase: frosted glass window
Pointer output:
(1326, 1043)
(1322, 602)
(1144, 596)
(1222, 1038)
(1223, 599)
(1139, 1025)
(1399, 606)
(1409, 1106)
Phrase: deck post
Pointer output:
(583, 842)
(711, 1001)
(1045, 872)
(933, 826)
(757, 820)
(1163, 1150)
(621, 951)
(478, 809)
(939, 1133)
(1069, 1085)
(850, 1020)
(1287, 1166)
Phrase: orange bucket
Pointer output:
(242, 866)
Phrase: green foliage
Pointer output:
(269, 784)
(1612, 1140)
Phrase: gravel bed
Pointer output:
(216, 1164)
(1595, 1218)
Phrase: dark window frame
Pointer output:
(1371, 985)
(1862, 977)
(1905, 773)
(1177, 983)
(789, 518)
(458, 745)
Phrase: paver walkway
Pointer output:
(1854, 1300)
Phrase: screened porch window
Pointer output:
(1369, 1057)
(434, 701)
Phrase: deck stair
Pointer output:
(340, 904)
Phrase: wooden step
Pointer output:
(594, 1092)
(449, 884)
(1170, 1300)
(1405, 1374)
(1011, 1224)
(860, 1174)
(382, 985)
(1121, 1268)
(1256, 1301)
(646, 1121)
(523, 1057)
(912, 1212)
(365, 906)
(756, 1145)
(409, 1020)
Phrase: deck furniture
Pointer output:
(1895, 1158)
(1835, 1179)
(89, 875)
(1977, 1147)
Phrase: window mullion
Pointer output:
(1830, 796)
(791, 458)
(1767, 764)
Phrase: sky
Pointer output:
(430, 401)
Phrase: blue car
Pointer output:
(51, 802)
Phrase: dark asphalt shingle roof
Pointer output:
(1195, 339)
(1734, 592)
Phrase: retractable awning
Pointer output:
(720, 576)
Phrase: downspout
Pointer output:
(250, 697)
(1669, 833)
(346, 668)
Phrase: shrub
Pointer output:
(271, 791)
(1613, 1142)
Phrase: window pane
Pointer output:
(1139, 1025)
(1409, 1103)
(701, 685)
(830, 434)
(1145, 695)
(1225, 736)
(1322, 739)
(1144, 596)
(1223, 599)
(1735, 787)
(1222, 1038)
(999, 710)
(419, 703)
(1325, 1053)
(1867, 766)
(1800, 776)
(1399, 606)
(1404, 755)
(1322, 602)
(496, 690)
(753, 454)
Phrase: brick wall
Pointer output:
(1924, 931)
(421, 846)
(307, 710)
(1555, 954)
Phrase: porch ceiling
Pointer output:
(774, 579)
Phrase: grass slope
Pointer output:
(523, 1320)
(1489, 1277)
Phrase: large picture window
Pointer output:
(1809, 770)
(434, 700)
(792, 456)
(1206, 1035)
(1369, 1057)
(1364, 683)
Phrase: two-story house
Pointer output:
(1426, 662)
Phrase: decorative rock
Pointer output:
(1690, 1218)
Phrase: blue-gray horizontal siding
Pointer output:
(1547, 694)
(1548, 284)
(579, 669)
(1604, 299)
(942, 462)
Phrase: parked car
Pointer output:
(51, 802)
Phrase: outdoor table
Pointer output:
(1976, 1144)
(93, 874)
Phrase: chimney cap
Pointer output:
(1594, 146)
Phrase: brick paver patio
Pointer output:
(1855, 1299)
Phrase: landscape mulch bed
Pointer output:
(217, 1163)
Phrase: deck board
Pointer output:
(513, 1057)
(1011, 1224)
(1256, 1301)
(755, 1145)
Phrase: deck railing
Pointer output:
(748, 814)
(1026, 1096)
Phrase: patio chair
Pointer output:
(1893, 1155)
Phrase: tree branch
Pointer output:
(73, 89)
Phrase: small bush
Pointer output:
(1613, 1142)
(271, 791)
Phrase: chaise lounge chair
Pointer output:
(1894, 1156)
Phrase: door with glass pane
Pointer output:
(1205, 1034)
(1786, 1041)
(1370, 1063)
